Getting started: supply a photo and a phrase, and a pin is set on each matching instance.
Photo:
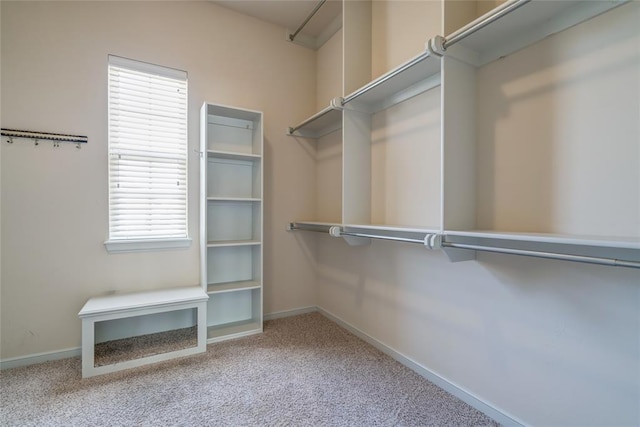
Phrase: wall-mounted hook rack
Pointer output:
(56, 138)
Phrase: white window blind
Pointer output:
(147, 151)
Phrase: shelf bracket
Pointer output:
(436, 241)
(336, 231)
(435, 46)
(337, 103)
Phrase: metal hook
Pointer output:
(10, 140)
(78, 146)
(36, 142)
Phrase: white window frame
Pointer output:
(142, 244)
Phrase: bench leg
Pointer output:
(88, 348)
(202, 326)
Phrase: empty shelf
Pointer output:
(409, 79)
(215, 288)
(226, 243)
(320, 124)
(229, 155)
(519, 23)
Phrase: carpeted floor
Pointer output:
(303, 371)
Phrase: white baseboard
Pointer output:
(459, 392)
(289, 313)
(33, 359)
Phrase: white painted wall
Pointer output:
(329, 71)
(405, 163)
(546, 342)
(400, 30)
(54, 201)
(558, 136)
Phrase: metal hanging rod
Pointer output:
(438, 241)
(47, 136)
(386, 77)
(549, 255)
(377, 236)
(334, 105)
(483, 21)
(313, 12)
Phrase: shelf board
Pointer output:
(527, 23)
(609, 251)
(234, 199)
(393, 228)
(558, 239)
(226, 243)
(218, 113)
(415, 76)
(320, 124)
(216, 288)
(233, 330)
(231, 155)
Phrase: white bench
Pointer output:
(119, 306)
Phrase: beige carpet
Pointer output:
(303, 371)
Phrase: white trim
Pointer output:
(290, 313)
(147, 67)
(145, 245)
(459, 392)
(34, 359)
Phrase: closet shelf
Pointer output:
(516, 24)
(230, 155)
(227, 243)
(559, 239)
(623, 252)
(227, 331)
(216, 288)
(415, 76)
(320, 124)
(233, 199)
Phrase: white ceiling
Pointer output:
(288, 13)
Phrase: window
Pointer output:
(147, 156)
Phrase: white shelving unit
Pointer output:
(471, 211)
(518, 212)
(231, 217)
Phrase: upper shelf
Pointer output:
(519, 23)
(415, 76)
(320, 124)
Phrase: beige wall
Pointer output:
(54, 200)
(400, 30)
(545, 342)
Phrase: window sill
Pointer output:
(146, 245)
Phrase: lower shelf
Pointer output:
(215, 288)
(233, 330)
(461, 245)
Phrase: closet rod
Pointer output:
(482, 22)
(377, 236)
(386, 77)
(549, 255)
(313, 12)
(13, 133)
(315, 117)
